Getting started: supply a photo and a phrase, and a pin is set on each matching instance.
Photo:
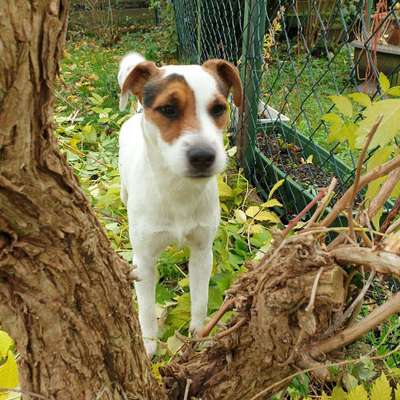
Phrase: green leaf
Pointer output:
(338, 393)
(332, 119)
(343, 104)
(394, 91)
(275, 188)
(358, 393)
(384, 82)
(389, 127)
(361, 98)
(381, 389)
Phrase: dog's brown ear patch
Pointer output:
(228, 74)
(138, 77)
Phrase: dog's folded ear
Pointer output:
(229, 75)
(133, 74)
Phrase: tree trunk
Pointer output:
(64, 293)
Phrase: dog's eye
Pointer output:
(169, 111)
(218, 110)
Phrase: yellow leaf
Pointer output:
(275, 187)
(379, 157)
(332, 119)
(9, 373)
(389, 127)
(252, 211)
(384, 82)
(338, 393)
(272, 203)
(174, 344)
(358, 393)
(310, 159)
(361, 98)
(223, 188)
(397, 393)
(381, 389)
(267, 216)
(394, 91)
(324, 396)
(343, 104)
(255, 228)
(5, 343)
(240, 216)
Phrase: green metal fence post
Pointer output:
(251, 71)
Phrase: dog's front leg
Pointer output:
(145, 288)
(200, 265)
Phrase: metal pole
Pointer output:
(198, 31)
(251, 72)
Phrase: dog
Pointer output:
(170, 153)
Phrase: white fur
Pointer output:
(165, 205)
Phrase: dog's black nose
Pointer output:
(201, 158)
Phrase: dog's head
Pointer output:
(185, 108)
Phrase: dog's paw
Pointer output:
(150, 346)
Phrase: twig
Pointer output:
(361, 159)
(384, 193)
(311, 304)
(233, 328)
(352, 333)
(188, 383)
(351, 224)
(226, 306)
(394, 212)
(348, 313)
(307, 208)
(393, 227)
(343, 202)
(383, 262)
(324, 203)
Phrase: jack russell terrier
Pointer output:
(170, 154)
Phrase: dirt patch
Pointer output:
(289, 158)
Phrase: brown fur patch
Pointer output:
(139, 76)
(174, 92)
(227, 77)
(220, 120)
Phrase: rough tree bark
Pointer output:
(64, 296)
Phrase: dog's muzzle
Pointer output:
(201, 160)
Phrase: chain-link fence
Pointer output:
(293, 55)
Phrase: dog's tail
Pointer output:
(127, 64)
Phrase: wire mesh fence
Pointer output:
(292, 56)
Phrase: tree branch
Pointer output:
(349, 335)
(343, 202)
(383, 262)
